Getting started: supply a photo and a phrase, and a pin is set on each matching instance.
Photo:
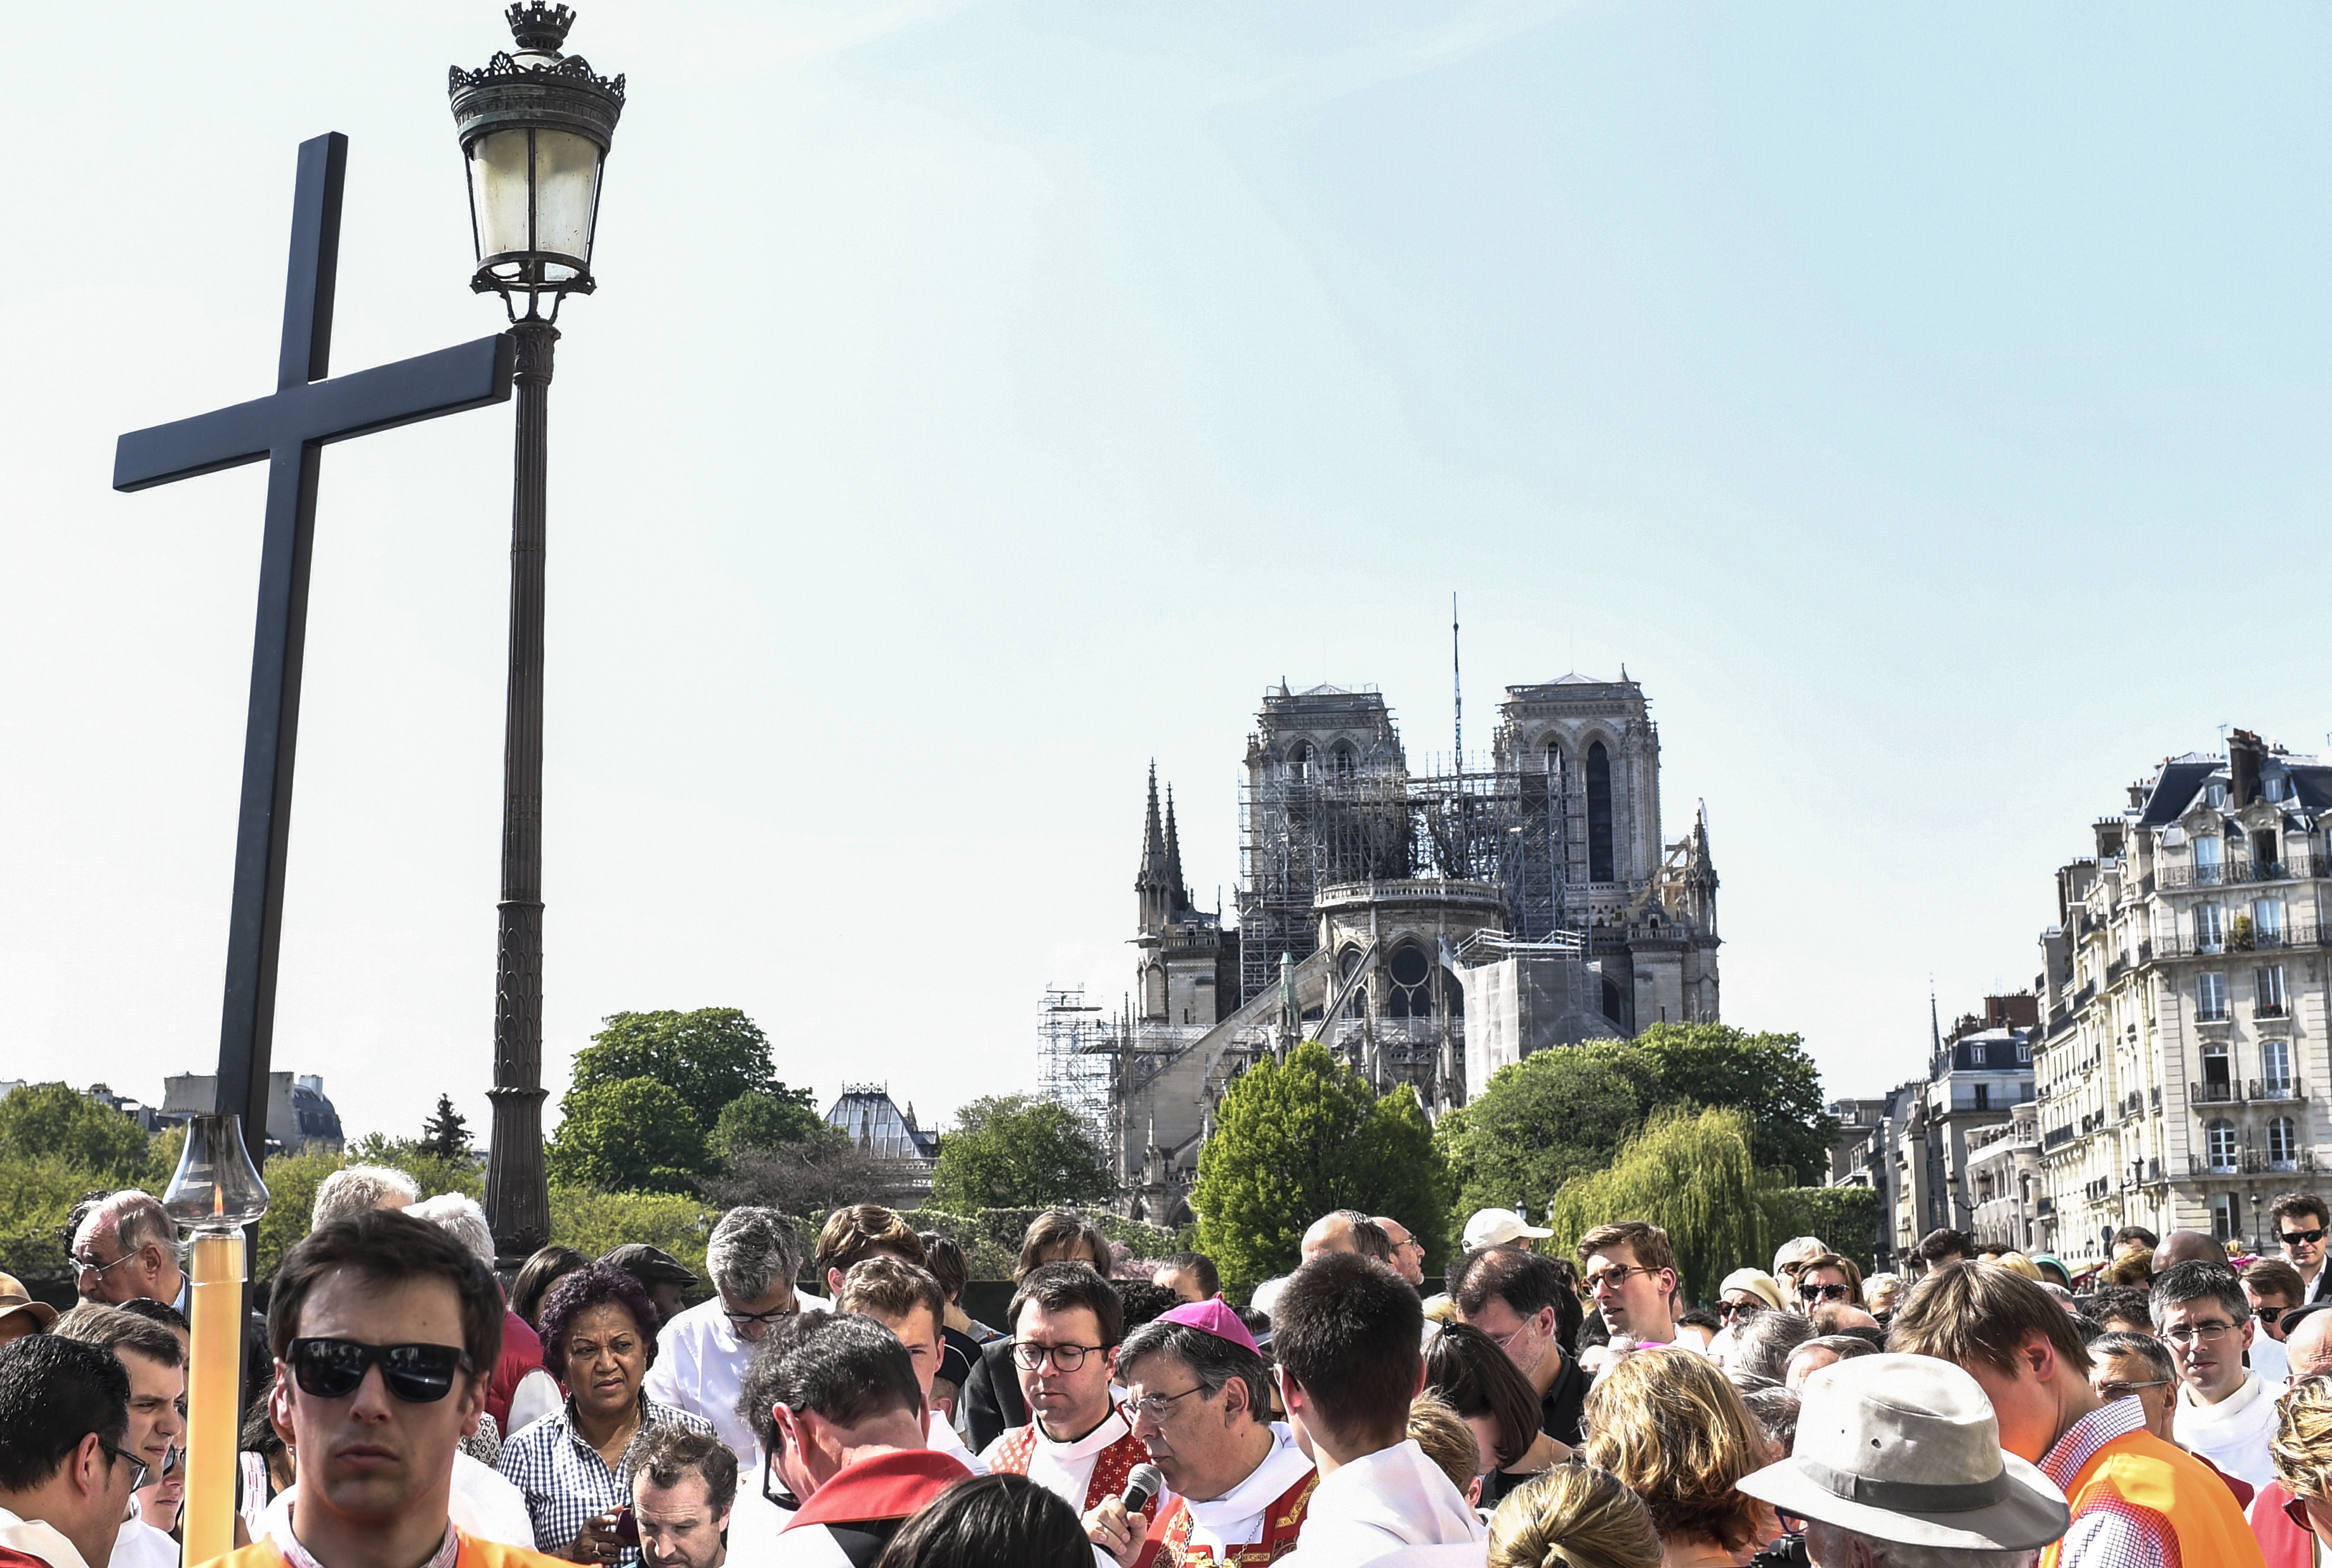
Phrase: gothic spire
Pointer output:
(1182, 894)
(1153, 840)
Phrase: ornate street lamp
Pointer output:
(535, 127)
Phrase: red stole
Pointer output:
(1283, 1521)
(1111, 1468)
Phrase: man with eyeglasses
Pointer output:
(1630, 1271)
(1066, 1323)
(385, 1329)
(1200, 1394)
(2273, 1289)
(2125, 1365)
(65, 1477)
(155, 1361)
(124, 1248)
(702, 1353)
(1526, 1304)
(2301, 1225)
(2224, 1412)
(1825, 1279)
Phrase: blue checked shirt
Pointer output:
(566, 1482)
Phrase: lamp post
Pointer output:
(535, 127)
(214, 1193)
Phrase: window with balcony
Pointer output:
(2207, 857)
(2275, 1069)
(2219, 1143)
(2267, 921)
(2283, 1144)
(2210, 928)
(2210, 998)
(2218, 1085)
(2266, 990)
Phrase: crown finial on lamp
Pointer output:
(539, 28)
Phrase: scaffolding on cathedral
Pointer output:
(1096, 1065)
(1364, 818)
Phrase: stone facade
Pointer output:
(2003, 1169)
(2182, 1059)
(1428, 928)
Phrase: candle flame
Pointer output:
(218, 1199)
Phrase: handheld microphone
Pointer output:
(1145, 1482)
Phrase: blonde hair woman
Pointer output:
(2302, 1451)
(2017, 1263)
(1667, 1423)
(1573, 1517)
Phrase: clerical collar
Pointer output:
(1082, 1437)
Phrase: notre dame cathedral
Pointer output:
(1430, 927)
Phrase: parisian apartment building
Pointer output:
(2180, 1059)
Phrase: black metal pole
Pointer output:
(518, 1197)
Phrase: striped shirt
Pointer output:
(565, 1479)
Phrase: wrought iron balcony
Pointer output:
(2278, 1089)
(2226, 1094)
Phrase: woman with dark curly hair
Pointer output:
(599, 1338)
(1667, 1423)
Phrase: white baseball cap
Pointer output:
(1496, 1226)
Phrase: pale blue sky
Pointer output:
(983, 399)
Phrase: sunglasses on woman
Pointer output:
(418, 1374)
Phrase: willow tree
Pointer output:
(1688, 1171)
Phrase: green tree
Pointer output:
(1847, 1217)
(40, 1191)
(593, 1222)
(1295, 1139)
(774, 1118)
(1767, 1077)
(292, 1182)
(1688, 1171)
(446, 1132)
(1536, 1123)
(633, 1136)
(1018, 1152)
(708, 1058)
(58, 1120)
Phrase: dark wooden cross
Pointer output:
(289, 431)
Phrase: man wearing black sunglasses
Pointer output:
(385, 1330)
(66, 1478)
(2301, 1226)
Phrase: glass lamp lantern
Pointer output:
(216, 1192)
(535, 126)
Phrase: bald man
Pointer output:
(1407, 1251)
(2310, 1343)
(1347, 1231)
(2186, 1246)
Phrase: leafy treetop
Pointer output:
(1297, 1138)
(708, 1058)
(1018, 1152)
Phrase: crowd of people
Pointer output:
(837, 1404)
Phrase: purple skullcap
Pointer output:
(1215, 1318)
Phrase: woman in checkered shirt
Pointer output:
(598, 1339)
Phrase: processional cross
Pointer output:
(289, 430)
